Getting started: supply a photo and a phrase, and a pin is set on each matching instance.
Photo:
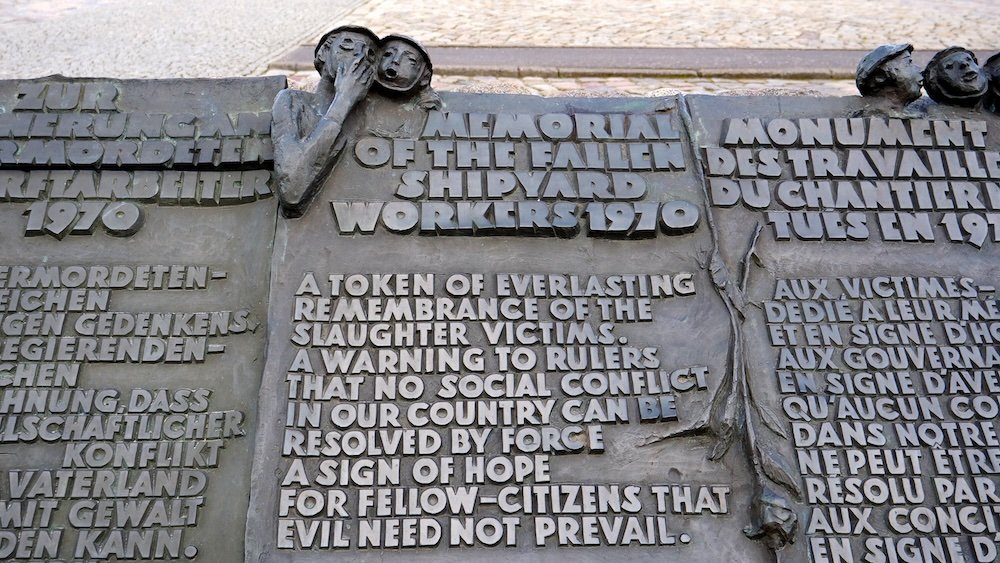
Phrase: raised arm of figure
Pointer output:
(302, 164)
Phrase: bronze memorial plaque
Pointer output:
(372, 322)
(138, 219)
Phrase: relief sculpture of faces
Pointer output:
(954, 77)
(905, 76)
(341, 47)
(889, 72)
(962, 75)
(992, 69)
(402, 64)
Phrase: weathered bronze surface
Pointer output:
(497, 327)
(137, 220)
(889, 72)
(456, 199)
(953, 77)
(874, 251)
(992, 67)
(310, 127)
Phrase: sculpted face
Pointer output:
(401, 66)
(961, 76)
(906, 75)
(343, 47)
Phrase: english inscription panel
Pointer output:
(494, 334)
(137, 224)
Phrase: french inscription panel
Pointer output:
(137, 221)
(494, 334)
(873, 329)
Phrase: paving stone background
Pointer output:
(155, 38)
(785, 24)
(215, 38)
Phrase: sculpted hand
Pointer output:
(352, 81)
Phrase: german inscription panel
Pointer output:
(494, 333)
(137, 227)
(873, 271)
(96, 154)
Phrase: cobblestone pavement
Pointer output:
(781, 24)
(620, 86)
(155, 38)
(191, 38)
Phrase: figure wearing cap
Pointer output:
(888, 72)
(307, 126)
(953, 77)
(403, 68)
(403, 65)
(992, 69)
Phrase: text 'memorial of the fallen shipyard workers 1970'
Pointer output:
(133, 285)
(470, 172)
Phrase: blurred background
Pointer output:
(558, 47)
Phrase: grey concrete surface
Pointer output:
(614, 86)
(156, 38)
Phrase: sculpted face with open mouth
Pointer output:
(963, 74)
(403, 65)
(954, 77)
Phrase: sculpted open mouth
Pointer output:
(970, 76)
(390, 73)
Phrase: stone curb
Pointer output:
(581, 72)
(570, 62)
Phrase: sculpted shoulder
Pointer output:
(295, 114)
(289, 101)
